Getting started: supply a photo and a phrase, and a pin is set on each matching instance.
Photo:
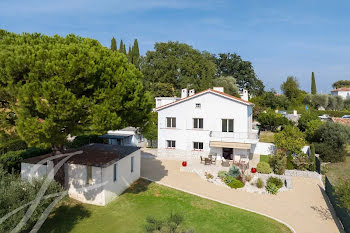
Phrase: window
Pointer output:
(171, 143)
(88, 175)
(198, 145)
(115, 172)
(171, 122)
(198, 123)
(198, 105)
(227, 125)
(132, 164)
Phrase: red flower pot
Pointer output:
(184, 163)
(253, 170)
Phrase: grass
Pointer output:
(264, 158)
(267, 136)
(336, 171)
(129, 211)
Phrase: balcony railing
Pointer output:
(235, 135)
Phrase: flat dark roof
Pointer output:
(97, 155)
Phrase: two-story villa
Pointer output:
(207, 122)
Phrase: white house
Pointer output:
(207, 122)
(343, 92)
(96, 175)
(128, 136)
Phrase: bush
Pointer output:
(305, 118)
(209, 176)
(271, 188)
(290, 139)
(264, 168)
(278, 162)
(171, 224)
(234, 172)
(12, 197)
(233, 183)
(248, 178)
(271, 120)
(12, 159)
(301, 162)
(222, 174)
(13, 145)
(342, 189)
(276, 181)
(259, 183)
(290, 165)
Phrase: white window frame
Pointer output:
(197, 121)
(172, 144)
(228, 125)
(172, 122)
(198, 145)
(115, 172)
(198, 105)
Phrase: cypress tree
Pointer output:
(124, 49)
(312, 158)
(135, 53)
(313, 84)
(121, 46)
(129, 54)
(113, 44)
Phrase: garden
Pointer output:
(149, 207)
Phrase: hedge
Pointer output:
(12, 159)
(13, 145)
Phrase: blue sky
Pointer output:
(281, 38)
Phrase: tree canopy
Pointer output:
(233, 65)
(59, 86)
(178, 65)
(290, 139)
(341, 83)
(290, 88)
(229, 85)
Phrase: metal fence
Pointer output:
(341, 212)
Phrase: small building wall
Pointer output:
(77, 184)
(39, 171)
(113, 189)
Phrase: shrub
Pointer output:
(278, 162)
(171, 224)
(12, 197)
(233, 183)
(209, 176)
(222, 174)
(271, 188)
(305, 118)
(290, 165)
(301, 162)
(342, 189)
(13, 145)
(290, 139)
(271, 120)
(264, 168)
(259, 183)
(234, 172)
(277, 181)
(248, 178)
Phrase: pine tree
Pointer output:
(113, 44)
(135, 53)
(313, 84)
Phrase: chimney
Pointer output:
(295, 113)
(184, 93)
(191, 92)
(244, 95)
(221, 89)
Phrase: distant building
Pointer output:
(128, 136)
(343, 121)
(343, 92)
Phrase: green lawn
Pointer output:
(266, 136)
(334, 171)
(129, 211)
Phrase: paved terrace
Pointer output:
(304, 207)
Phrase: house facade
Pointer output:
(343, 92)
(207, 122)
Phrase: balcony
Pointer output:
(247, 137)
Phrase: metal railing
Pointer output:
(235, 135)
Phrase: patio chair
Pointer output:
(213, 158)
(207, 161)
(202, 159)
(236, 159)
